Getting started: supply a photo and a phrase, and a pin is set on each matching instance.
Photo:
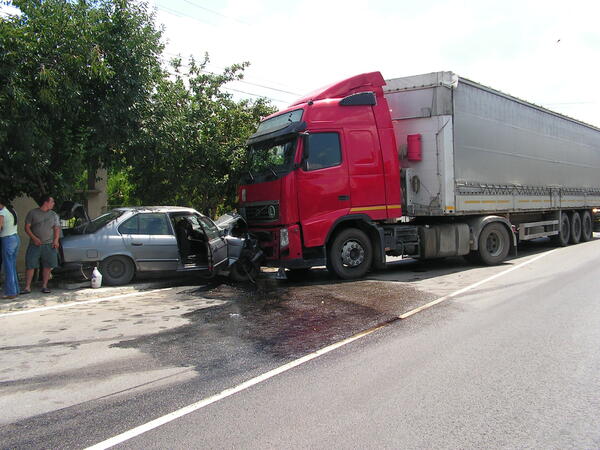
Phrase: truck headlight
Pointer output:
(284, 238)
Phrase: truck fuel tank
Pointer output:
(441, 240)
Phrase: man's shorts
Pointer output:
(44, 253)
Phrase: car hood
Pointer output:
(232, 223)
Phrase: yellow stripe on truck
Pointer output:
(367, 208)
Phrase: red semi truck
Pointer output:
(427, 166)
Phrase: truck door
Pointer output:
(322, 185)
(367, 187)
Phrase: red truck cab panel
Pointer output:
(351, 167)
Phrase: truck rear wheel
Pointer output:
(586, 226)
(564, 227)
(494, 244)
(575, 228)
(350, 255)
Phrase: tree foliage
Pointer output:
(190, 149)
(75, 77)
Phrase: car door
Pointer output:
(150, 239)
(217, 245)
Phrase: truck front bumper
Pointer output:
(269, 241)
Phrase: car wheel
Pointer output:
(117, 270)
(243, 271)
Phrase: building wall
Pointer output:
(97, 200)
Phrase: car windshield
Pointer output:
(270, 160)
(100, 221)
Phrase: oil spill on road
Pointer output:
(272, 322)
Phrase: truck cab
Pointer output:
(327, 162)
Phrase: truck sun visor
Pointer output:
(292, 128)
(359, 99)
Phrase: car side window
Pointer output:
(209, 227)
(323, 151)
(130, 226)
(153, 223)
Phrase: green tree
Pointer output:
(75, 77)
(190, 149)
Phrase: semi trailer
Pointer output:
(426, 166)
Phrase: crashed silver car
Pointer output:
(128, 241)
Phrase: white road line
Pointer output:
(474, 285)
(85, 302)
(224, 394)
(279, 370)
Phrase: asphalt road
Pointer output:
(510, 363)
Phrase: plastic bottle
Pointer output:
(96, 278)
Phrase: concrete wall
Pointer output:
(97, 200)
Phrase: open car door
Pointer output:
(217, 245)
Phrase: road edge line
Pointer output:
(127, 435)
(474, 285)
(153, 424)
(84, 302)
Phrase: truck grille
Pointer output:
(266, 212)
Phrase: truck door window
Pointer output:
(323, 151)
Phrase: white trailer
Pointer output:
(476, 156)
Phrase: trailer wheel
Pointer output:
(494, 244)
(575, 228)
(563, 237)
(586, 226)
(351, 254)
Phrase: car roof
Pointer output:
(157, 209)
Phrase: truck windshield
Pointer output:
(270, 160)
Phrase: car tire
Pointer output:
(351, 254)
(117, 270)
(243, 271)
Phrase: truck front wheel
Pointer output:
(494, 244)
(350, 255)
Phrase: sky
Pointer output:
(546, 52)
